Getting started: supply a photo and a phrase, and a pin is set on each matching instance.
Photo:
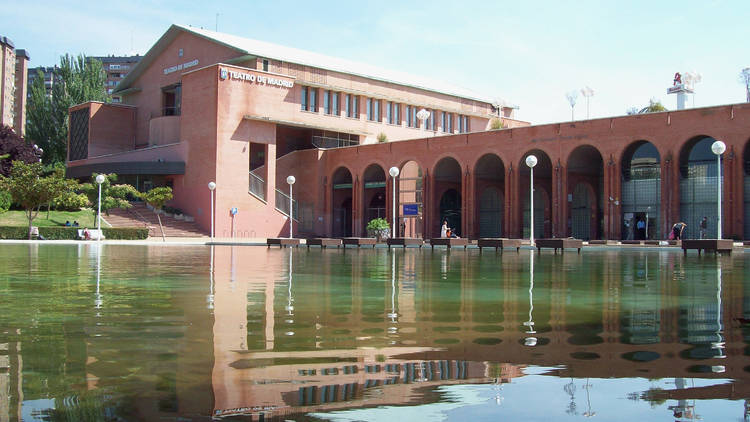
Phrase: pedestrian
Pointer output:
(640, 225)
(444, 229)
(703, 226)
(678, 229)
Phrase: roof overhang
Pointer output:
(304, 125)
(127, 167)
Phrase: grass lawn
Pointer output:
(85, 218)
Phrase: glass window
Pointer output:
(335, 103)
(397, 114)
(265, 65)
(389, 112)
(408, 115)
(376, 104)
(303, 98)
(414, 117)
(442, 122)
(466, 123)
(313, 103)
(348, 105)
(355, 106)
(368, 108)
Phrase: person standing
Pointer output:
(703, 226)
(444, 229)
(640, 225)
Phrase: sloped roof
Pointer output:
(268, 50)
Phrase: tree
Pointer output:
(157, 197)
(78, 79)
(15, 148)
(113, 196)
(31, 188)
(654, 106)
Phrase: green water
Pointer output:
(249, 333)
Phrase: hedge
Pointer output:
(71, 233)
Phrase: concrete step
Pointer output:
(140, 216)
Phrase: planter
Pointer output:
(380, 234)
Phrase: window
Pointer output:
(460, 123)
(408, 116)
(326, 102)
(428, 122)
(443, 120)
(114, 66)
(265, 65)
(414, 116)
(335, 104)
(396, 114)
(449, 123)
(352, 106)
(309, 99)
(389, 113)
(376, 114)
(172, 100)
(368, 109)
(179, 52)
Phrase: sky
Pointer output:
(528, 53)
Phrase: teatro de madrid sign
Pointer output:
(225, 74)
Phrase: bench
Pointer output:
(405, 241)
(94, 234)
(715, 245)
(359, 241)
(323, 242)
(449, 242)
(497, 242)
(282, 242)
(559, 243)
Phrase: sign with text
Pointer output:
(411, 209)
(257, 78)
(182, 66)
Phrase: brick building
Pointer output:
(13, 85)
(203, 106)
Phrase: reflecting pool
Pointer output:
(249, 333)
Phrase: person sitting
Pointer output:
(67, 223)
(75, 223)
(86, 234)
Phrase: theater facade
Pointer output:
(203, 106)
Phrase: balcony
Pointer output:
(164, 130)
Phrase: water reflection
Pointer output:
(284, 332)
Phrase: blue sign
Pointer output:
(233, 211)
(411, 209)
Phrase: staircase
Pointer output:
(140, 216)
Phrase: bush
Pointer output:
(70, 201)
(378, 224)
(382, 137)
(5, 201)
(71, 233)
(496, 124)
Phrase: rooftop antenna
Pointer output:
(572, 97)
(690, 79)
(588, 93)
(745, 79)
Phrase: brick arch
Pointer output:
(342, 204)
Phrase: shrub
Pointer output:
(71, 233)
(70, 201)
(382, 137)
(378, 224)
(496, 124)
(5, 201)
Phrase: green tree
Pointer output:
(113, 196)
(77, 80)
(496, 124)
(654, 106)
(157, 197)
(31, 188)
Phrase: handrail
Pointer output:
(325, 142)
(282, 205)
(257, 186)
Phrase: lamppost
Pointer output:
(99, 181)
(647, 210)
(718, 148)
(212, 187)
(531, 162)
(291, 180)
(394, 173)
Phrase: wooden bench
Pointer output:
(359, 241)
(323, 242)
(405, 241)
(715, 245)
(496, 242)
(283, 242)
(559, 243)
(449, 242)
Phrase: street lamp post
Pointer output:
(394, 173)
(647, 210)
(212, 187)
(718, 148)
(99, 181)
(531, 162)
(291, 180)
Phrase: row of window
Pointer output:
(333, 102)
